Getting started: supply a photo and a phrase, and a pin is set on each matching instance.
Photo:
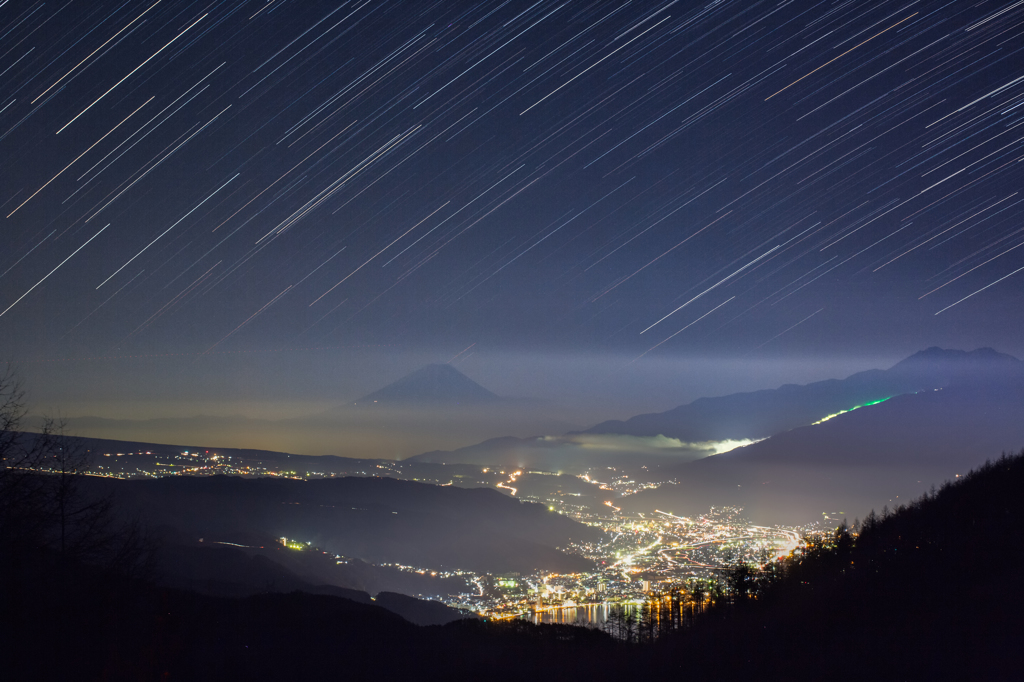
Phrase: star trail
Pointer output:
(643, 178)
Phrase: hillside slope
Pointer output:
(379, 520)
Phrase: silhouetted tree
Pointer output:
(623, 624)
(648, 629)
(741, 582)
(613, 622)
(699, 592)
(24, 511)
(43, 503)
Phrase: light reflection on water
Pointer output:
(588, 615)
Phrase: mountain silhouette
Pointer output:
(761, 414)
(882, 454)
(432, 384)
(982, 380)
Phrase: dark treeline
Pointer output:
(929, 590)
(45, 510)
(669, 611)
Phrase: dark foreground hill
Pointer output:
(378, 520)
(929, 592)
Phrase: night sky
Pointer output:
(295, 199)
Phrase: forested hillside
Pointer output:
(931, 590)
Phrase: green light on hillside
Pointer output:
(873, 402)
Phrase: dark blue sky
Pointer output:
(311, 182)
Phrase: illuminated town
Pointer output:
(637, 555)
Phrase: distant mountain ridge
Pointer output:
(881, 454)
(894, 432)
(432, 384)
(765, 413)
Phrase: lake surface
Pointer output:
(589, 615)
